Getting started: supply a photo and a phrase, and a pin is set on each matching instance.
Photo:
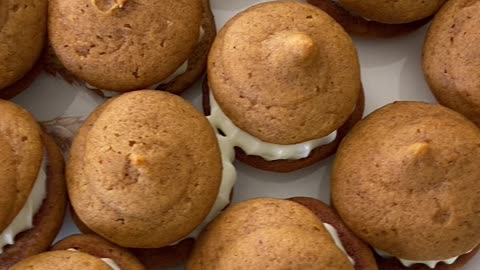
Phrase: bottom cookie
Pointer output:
(152, 258)
(48, 220)
(359, 26)
(285, 166)
(101, 248)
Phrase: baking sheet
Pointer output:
(391, 71)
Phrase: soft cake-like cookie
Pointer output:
(23, 29)
(405, 180)
(451, 57)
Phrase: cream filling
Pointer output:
(229, 177)
(407, 263)
(182, 69)
(333, 232)
(24, 219)
(254, 146)
(108, 261)
(111, 263)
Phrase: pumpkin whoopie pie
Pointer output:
(299, 233)
(32, 194)
(283, 85)
(451, 57)
(406, 181)
(146, 171)
(126, 45)
(378, 18)
(23, 30)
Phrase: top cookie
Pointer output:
(267, 234)
(23, 29)
(60, 260)
(285, 72)
(20, 159)
(144, 170)
(451, 59)
(124, 44)
(406, 181)
(392, 12)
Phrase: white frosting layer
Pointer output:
(229, 177)
(108, 261)
(407, 263)
(333, 232)
(24, 219)
(254, 146)
(111, 263)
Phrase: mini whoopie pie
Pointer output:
(299, 233)
(126, 45)
(379, 18)
(146, 171)
(82, 252)
(283, 85)
(406, 181)
(23, 30)
(451, 57)
(32, 194)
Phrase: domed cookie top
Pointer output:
(392, 12)
(23, 29)
(21, 157)
(406, 181)
(144, 170)
(451, 59)
(293, 236)
(285, 72)
(124, 44)
(59, 260)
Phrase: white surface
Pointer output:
(391, 71)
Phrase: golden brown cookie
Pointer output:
(410, 169)
(21, 134)
(359, 26)
(22, 36)
(275, 234)
(100, 248)
(451, 57)
(60, 260)
(113, 34)
(148, 170)
(286, 166)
